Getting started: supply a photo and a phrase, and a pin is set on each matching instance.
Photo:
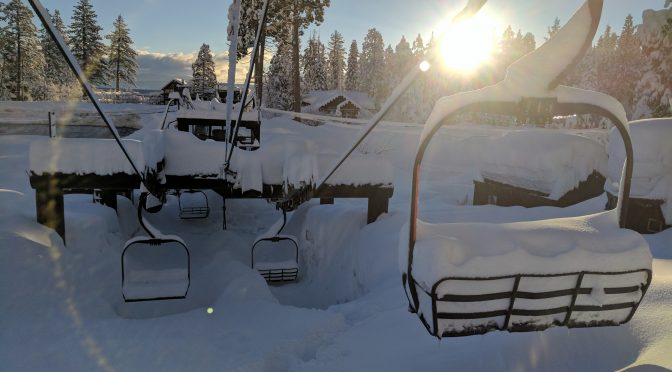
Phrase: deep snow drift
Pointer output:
(62, 308)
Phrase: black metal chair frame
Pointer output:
(152, 240)
(528, 107)
(279, 275)
(193, 213)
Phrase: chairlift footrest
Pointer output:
(279, 275)
(522, 303)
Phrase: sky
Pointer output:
(168, 33)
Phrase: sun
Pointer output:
(469, 44)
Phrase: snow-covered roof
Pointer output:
(652, 171)
(213, 110)
(317, 99)
(175, 80)
(544, 160)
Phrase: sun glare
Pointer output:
(469, 44)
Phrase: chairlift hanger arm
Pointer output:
(45, 18)
(248, 78)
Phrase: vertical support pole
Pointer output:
(52, 125)
(234, 24)
(377, 206)
(223, 213)
(109, 198)
(324, 201)
(49, 205)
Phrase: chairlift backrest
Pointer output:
(276, 258)
(154, 267)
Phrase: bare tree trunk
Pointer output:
(296, 74)
(19, 57)
(118, 67)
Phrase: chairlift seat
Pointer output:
(155, 269)
(578, 272)
(193, 204)
(471, 278)
(276, 258)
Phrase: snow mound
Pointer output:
(548, 161)
(652, 173)
(587, 243)
(188, 155)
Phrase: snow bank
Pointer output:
(587, 243)
(548, 161)
(98, 156)
(188, 155)
(652, 173)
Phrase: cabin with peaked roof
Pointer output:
(558, 169)
(175, 85)
(650, 207)
(345, 104)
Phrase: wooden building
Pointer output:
(492, 192)
(175, 85)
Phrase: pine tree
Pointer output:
(277, 27)
(204, 79)
(4, 40)
(606, 62)
(352, 73)
(529, 44)
(654, 90)
(629, 60)
(390, 77)
(508, 48)
(279, 79)
(86, 42)
(301, 14)
(553, 29)
(60, 81)
(23, 61)
(336, 61)
(419, 47)
(123, 66)
(372, 64)
(403, 55)
(314, 65)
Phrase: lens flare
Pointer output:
(469, 44)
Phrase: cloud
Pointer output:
(156, 69)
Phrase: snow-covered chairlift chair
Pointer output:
(276, 257)
(154, 267)
(193, 204)
(471, 278)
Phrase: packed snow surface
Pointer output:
(652, 171)
(62, 307)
